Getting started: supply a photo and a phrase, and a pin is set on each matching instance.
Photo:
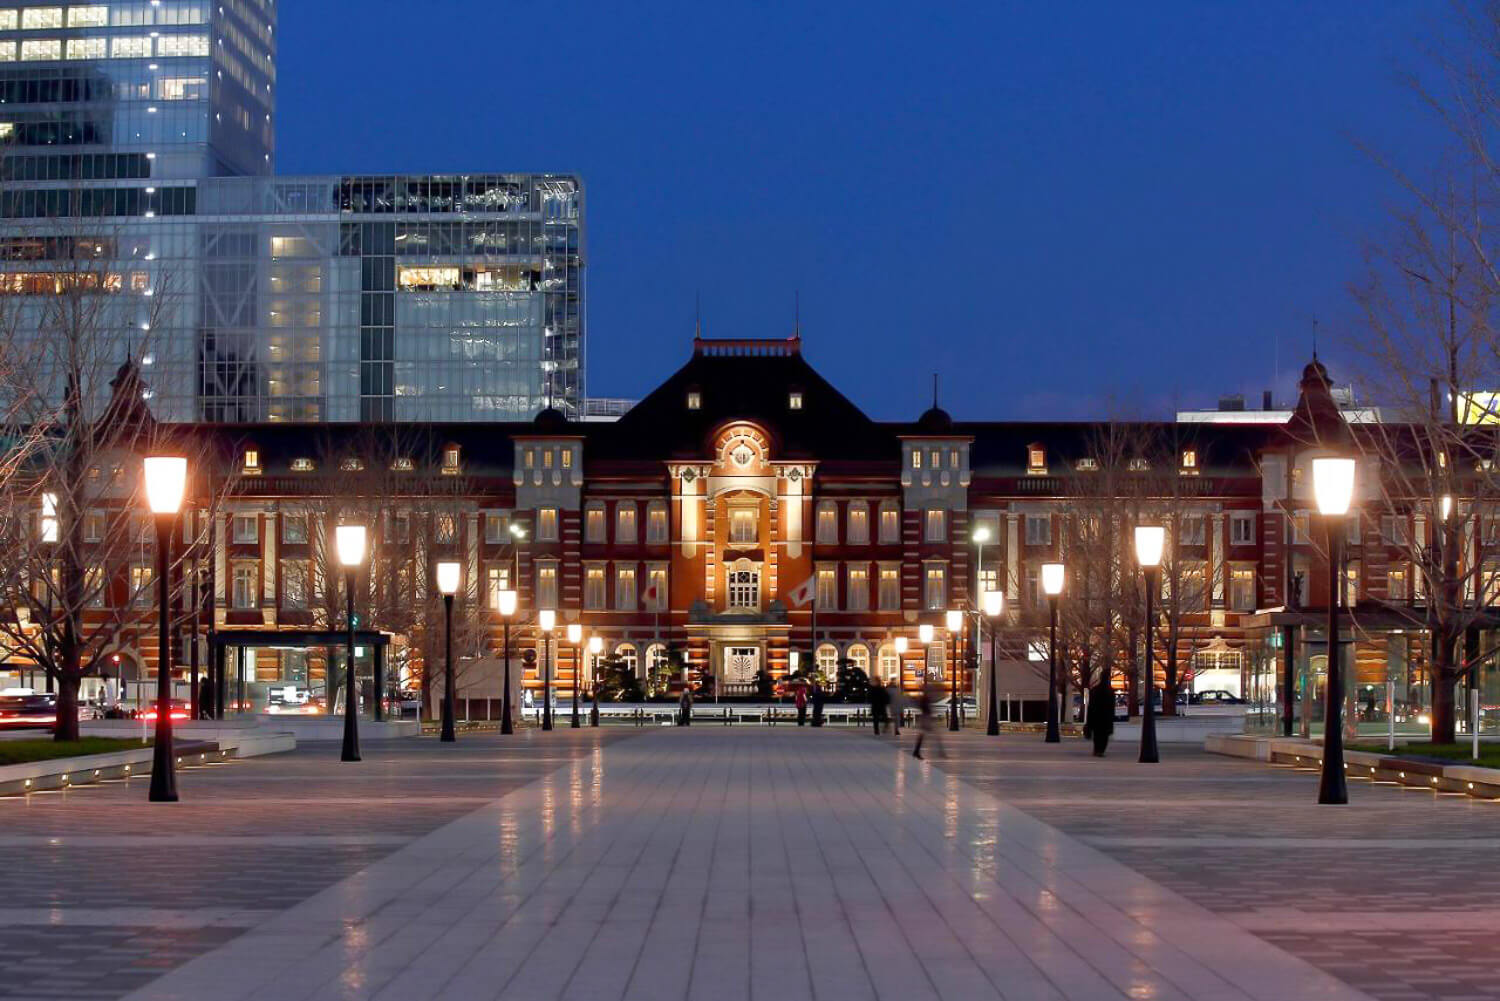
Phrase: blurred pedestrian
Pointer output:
(880, 701)
(801, 705)
(927, 720)
(897, 700)
(685, 707)
(818, 698)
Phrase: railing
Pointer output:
(747, 348)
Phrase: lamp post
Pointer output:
(994, 606)
(1052, 584)
(902, 644)
(979, 536)
(596, 647)
(955, 623)
(166, 481)
(349, 540)
(448, 574)
(575, 637)
(546, 621)
(1150, 540)
(1333, 486)
(506, 599)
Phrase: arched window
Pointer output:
(656, 656)
(859, 656)
(937, 660)
(827, 659)
(625, 654)
(890, 664)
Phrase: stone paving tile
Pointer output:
(257, 835)
(727, 864)
(1248, 841)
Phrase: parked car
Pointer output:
(177, 710)
(28, 710)
(1216, 697)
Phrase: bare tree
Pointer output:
(75, 563)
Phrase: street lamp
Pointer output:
(166, 481)
(506, 599)
(546, 620)
(994, 606)
(596, 647)
(575, 637)
(448, 574)
(1052, 584)
(1150, 541)
(955, 623)
(1333, 486)
(349, 541)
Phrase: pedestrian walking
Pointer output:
(897, 702)
(927, 720)
(205, 699)
(1101, 717)
(801, 705)
(818, 698)
(880, 701)
(685, 707)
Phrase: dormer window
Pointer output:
(916, 458)
(1190, 461)
(352, 465)
(1036, 459)
(401, 465)
(302, 466)
(1139, 465)
(252, 462)
(1087, 465)
(450, 460)
(794, 400)
(694, 400)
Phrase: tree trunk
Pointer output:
(1444, 678)
(1169, 688)
(67, 708)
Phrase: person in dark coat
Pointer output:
(879, 703)
(801, 701)
(205, 699)
(818, 698)
(685, 708)
(1101, 717)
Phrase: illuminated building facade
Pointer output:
(137, 148)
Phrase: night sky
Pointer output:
(1066, 210)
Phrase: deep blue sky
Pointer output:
(1065, 209)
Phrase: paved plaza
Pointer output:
(732, 863)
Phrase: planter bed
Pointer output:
(64, 773)
(1377, 766)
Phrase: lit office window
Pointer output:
(33, 18)
(93, 16)
(130, 47)
(182, 45)
(40, 49)
(85, 48)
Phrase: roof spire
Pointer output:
(697, 314)
(934, 390)
(1315, 338)
(797, 313)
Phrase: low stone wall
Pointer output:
(64, 773)
(1439, 776)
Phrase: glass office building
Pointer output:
(136, 154)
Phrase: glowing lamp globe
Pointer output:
(166, 481)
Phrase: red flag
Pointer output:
(803, 593)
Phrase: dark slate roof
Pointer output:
(745, 380)
(485, 449)
(999, 448)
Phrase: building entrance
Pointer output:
(740, 666)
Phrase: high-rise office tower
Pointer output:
(136, 148)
